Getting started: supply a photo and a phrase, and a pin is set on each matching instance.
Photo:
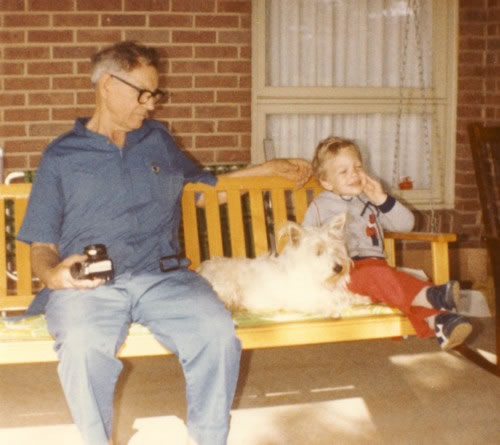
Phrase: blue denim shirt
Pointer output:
(88, 191)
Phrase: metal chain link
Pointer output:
(414, 9)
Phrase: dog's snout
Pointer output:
(338, 268)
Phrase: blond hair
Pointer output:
(328, 148)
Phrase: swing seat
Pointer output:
(485, 148)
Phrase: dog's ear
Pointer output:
(337, 223)
(293, 231)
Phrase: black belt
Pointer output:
(169, 263)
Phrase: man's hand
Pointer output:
(55, 273)
(374, 190)
(295, 169)
(61, 278)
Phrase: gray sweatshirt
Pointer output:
(365, 221)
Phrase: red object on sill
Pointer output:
(405, 183)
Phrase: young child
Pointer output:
(338, 166)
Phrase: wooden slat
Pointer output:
(279, 214)
(440, 262)
(3, 252)
(258, 218)
(236, 231)
(214, 231)
(23, 261)
(190, 227)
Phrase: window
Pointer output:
(381, 72)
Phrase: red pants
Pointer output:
(374, 278)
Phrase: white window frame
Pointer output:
(334, 100)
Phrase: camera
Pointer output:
(98, 264)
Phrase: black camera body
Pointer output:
(98, 264)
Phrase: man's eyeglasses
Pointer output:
(144, 95)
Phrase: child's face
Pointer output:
(345, 174)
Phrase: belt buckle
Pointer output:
(164, 260)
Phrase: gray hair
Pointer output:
(122, 57)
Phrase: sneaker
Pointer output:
(451, 329)
(444, 296)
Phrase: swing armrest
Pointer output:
(439, 250)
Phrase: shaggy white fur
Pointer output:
(309, 276)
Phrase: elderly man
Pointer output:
(116, 179)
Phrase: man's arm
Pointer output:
(54, 273)
(295, 169)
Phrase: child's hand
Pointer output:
(374, 190)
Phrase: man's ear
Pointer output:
(104, 83)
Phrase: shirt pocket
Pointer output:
(166, 182)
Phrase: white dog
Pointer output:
(309, 276)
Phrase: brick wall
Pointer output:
(205, 46)
(478, 100)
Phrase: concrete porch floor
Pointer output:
(371, 392)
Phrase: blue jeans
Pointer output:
(182, 312)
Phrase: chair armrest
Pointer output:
(439, 250)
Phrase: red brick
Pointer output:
(173, 112)
(11, 5)
(216, 141)
(245, 82)
(146, 5)
(192, 126)
(216, 111)
(50, 68)
(50, 36)
(26, 114)
(64, 114)
(13, 163)
(216, 21)
(83, 68)
(180, 52)
(98, 5)
(216, 52)
(233, 67)
(100, 36)
(27, 83)
(12, 130)
(11, 69)
(72, 82)
(236, 126)
(123, 20)
(76, 20)
(194, 37)
(203, 156)
(171, 20)
(235, 6)
(51, 5)
(235, 96)
(34, 161)
(74, 52)
(51, 98)
(179, 97)
(216, 81)
(245, 52)
(193, 67)
(193, 6)
(232, 156)
(472, 43)
(25, 146)
(28, 52)
(11, 36)
(156, 36)
(170, 82)
(236, 37)
(26, 20)
(49, 129)
(85, 98)
(9, 99)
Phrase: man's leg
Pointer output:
(183, 313)
(89, 326)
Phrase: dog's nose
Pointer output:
(338, 268)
